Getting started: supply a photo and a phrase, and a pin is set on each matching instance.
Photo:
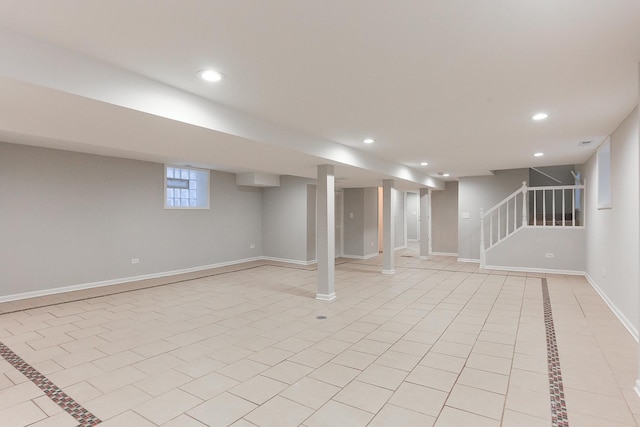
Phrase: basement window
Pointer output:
(604, 175)
(186, 188)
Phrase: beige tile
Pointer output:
(242, 370)
(47, 405)
(527, 380)
(410, 347)
(310, 392)
(337, 375)
(258, 389)
(329, 345)
(418, 398)
(494, 349)
(484, 380)
(209, 385)
(383, 376)
(598, 405)
(129, 419)
(222, 410)
(21, 415)
(452, 349)
(336, 414)
(279, 412)
(287, 372)
(116, 402)
(498, 365)
(392, 416)
(373, 347)
(354, 359)
(17, 394)
(453, 417)
(402, 361)
(311, 358)
(583, 420)
(432, 377)
(167, 406)
(529, 402)
(184, 421)
(163, 382)
(113, 380)
(476, 401)
(271, 356)
(61, 419)
(518, 419)
(363, 396)
(444, 362)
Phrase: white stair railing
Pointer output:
(556, 206)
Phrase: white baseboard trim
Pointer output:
(623, 319)
(289, 261)
(443, 253)
(413, 240)
(534, 270)
(425, 257)
(79, 287)
(477, 261)
(326, 297)
(389, 271)
(368, 256)
(400, 248)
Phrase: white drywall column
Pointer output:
(388, 241)
(326, 233)
(424, 223)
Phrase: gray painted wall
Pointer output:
(527, 249)
(311, 222)
(353, 221)
(482, 192)
(412, 216)
(285, 225)
(371, 221)
(399, 218)
(71, 218)
(444, 219)
(360, 221)
(612, 251)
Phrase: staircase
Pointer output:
(531, 207)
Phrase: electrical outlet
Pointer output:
(252, 246)
(548, 255)
(135, 261)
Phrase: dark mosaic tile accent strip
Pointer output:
(73, 408)
(559, 416)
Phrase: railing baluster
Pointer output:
(506, 220)
(535, 208)
(491, 229)
(573, 207)
(553, 207)
(499, 209)
(544, 208)
(564, 216)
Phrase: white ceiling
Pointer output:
(451, 82)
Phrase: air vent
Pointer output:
(584, 143)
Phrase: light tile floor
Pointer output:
(440, 343)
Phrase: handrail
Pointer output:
(509, 197)
(505, 214)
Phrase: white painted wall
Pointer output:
(71, 219)
(477, 192)
(612, 235)
(412, 215)
(527, 250)
(399, 237)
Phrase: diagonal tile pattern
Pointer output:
(438, 343)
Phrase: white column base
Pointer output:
(325, 297)
(389, 271)
(424, 257)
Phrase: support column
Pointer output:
(325, 233)
(388, 238)
(425, 225)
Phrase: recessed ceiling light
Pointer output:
(540, 116)
(368, 141)
(445, 174)
(423, 163)
(210, 75)
(539, 154)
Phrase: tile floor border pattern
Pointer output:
(559, 416)
(70, 406)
